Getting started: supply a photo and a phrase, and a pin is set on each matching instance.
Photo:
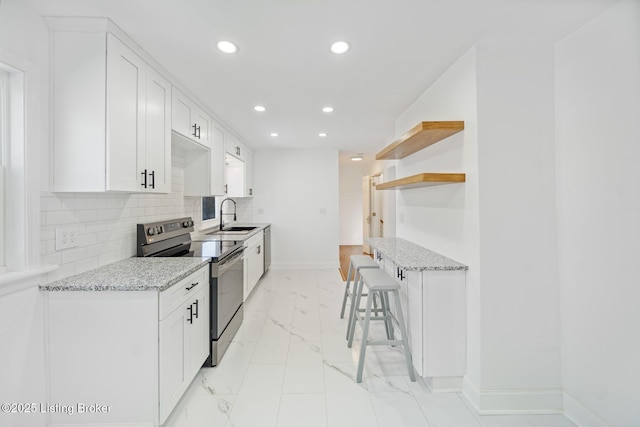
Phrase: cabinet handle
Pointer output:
(238, 151)
(378, 256)
(190, 319)
(193, 285)
(402, 276)
(196, 304)
(226, 188)
(258, 249)
(194, 134)
(251, 191)
(144, 183)
(153, 179)
(198, 136)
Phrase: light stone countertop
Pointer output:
(131, 274)
(412, 257)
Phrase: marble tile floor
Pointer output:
(289, 365)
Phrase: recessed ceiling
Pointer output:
(397, 49)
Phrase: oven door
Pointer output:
(227, 282)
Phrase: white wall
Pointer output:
(297, 192)
(518, 259)
(598, 197)
(501, 222)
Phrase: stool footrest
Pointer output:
(385, 342)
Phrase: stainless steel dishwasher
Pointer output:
(267, 248)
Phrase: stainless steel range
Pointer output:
(173, 239)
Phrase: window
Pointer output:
(208, 208)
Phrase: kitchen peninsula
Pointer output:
(432, 294)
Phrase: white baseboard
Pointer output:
(305, 265)
(444, 384)
(506, 401)
(580, 414)
(104, 425)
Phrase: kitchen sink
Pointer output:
(233, 230)
(239, 228)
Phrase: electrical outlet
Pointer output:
(66, 238)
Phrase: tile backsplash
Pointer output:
(105, 223)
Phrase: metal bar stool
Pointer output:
(378, 282)
(356, 263)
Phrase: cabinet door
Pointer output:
(182, 111)
(256, 264)
(198, 342)
(248, 173)
(414, 320)
(173, 376)
(217, 162)
(234, 176)
(203, 127)
(158, 133)
(125, 117)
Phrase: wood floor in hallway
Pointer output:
(345, 252)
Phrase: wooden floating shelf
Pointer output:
(422, 180)
(421, 136)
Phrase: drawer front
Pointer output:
(173, 297)
(254, 240)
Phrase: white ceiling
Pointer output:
(399, 47)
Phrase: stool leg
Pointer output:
(403, 332)
(346, 291)
(365, 334)
(354, 306)
(388, 323)
(388, 326)
(355, 303)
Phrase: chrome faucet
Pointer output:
(235, 206)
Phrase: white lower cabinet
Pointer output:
(131, 353)
(253, 262)
(434, 311)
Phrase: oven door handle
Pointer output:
(229, 262)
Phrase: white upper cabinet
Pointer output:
(189, 120)
(238, 172)
(204, 171)
(110, 115)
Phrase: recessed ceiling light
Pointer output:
(327, 109)
(227, 47)
(259, 108)
(322, 134)
(274, 134)
(356, 158)
(340, 47)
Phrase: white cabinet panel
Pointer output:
(173, 376)
(217, 162)
(182, 110)
(125, 116)
(157, 148)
